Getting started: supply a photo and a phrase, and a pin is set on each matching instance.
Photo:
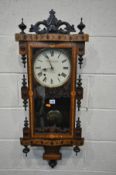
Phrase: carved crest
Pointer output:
(52, 25)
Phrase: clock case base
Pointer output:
(52, 146)
(52, 152)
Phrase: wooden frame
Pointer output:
(74, 49)
(52, 141)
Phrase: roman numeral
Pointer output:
(63, 74)
(59, 54)
(40, 74)
(45, 55)
(37, 67)
(44, 79)
(58, 79)
(65, 67)
(64, 61)
(52, 52)
(51, 81)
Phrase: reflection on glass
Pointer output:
(52, 110)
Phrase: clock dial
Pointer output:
(52, 67)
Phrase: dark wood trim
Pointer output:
(52, 142)
(52, 37)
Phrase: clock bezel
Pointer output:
(69, 73)
(74, 53)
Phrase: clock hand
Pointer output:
(49, 62)
(45, 69)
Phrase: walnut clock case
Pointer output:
(52, 89)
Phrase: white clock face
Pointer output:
(52, 68)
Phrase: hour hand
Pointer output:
(45, 69)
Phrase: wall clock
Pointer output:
(50, 54)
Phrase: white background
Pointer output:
(98, 112)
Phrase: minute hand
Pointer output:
(49, 62)
(51, 65)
